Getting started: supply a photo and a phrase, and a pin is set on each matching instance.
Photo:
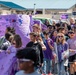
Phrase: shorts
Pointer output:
(72, 58)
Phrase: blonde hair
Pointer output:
(37, 25)
(63, 40)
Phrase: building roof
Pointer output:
(12, 5)
(46, 4)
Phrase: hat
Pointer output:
(27, 53)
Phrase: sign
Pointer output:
(64, 16)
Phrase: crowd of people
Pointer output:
(52, 51)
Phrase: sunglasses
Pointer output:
(60, 36)
(71, 33)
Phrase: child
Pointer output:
(27, 61)
(48, 54)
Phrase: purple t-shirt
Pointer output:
(61, 48)
(72, 45)
(48, 52)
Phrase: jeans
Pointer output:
(54, 68)
(47, 66)
(61, 68)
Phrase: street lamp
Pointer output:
(34, 8)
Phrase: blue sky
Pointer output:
(53, 4)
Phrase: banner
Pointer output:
(8, 62)
(43, 27)
(5, 21)
(23, 28)
(20, 22)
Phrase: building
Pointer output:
(48, 7)
(10, 8)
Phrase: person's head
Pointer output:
(74, 29)
(71, 34)
(64, 25)
(46, 34)
(12, 30)
(17, 41)
(54, 33)
(7, 35)
(28, 58)
(61, 30)
(36, 28)
(50, 28)
(8, 29)
(72, 21)
(47, 22)
(11, 38)
(58, 25)
(33, 36)
(60, 38)
(54, 23)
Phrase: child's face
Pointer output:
(32, 37)
(55, 33)
(63, 31)
(24, 65)
(46, 36)
(14, 43)
(6, 31)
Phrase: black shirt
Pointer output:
(38, 48)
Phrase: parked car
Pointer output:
(43, 19)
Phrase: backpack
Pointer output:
(37, 47)
(38, 52)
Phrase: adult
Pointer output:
(35, 44)
(72, 46)
(62, 46)
(37, 29)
